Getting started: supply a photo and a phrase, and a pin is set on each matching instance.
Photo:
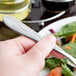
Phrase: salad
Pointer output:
(67, 36)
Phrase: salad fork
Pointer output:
(23, 29)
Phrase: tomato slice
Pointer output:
(55, 72)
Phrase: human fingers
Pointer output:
(25, 42)
(18, 46)
(43, 47)
(38, 53)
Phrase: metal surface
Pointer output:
(46, 20)
(21, 28)
(60, 0)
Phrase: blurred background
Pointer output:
(37, 14)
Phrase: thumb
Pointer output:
(42, 48)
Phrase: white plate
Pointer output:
(56, 27)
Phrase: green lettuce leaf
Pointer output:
(66, 71)
(71, 51)
(67, 30)
(54, 62)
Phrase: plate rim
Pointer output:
(61, 20)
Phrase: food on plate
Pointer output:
(54, 64)
(67, 36)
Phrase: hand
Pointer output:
(24, 57)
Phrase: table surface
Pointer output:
(6, 33)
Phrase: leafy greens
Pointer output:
(67, 30)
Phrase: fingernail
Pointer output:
(50, 37)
